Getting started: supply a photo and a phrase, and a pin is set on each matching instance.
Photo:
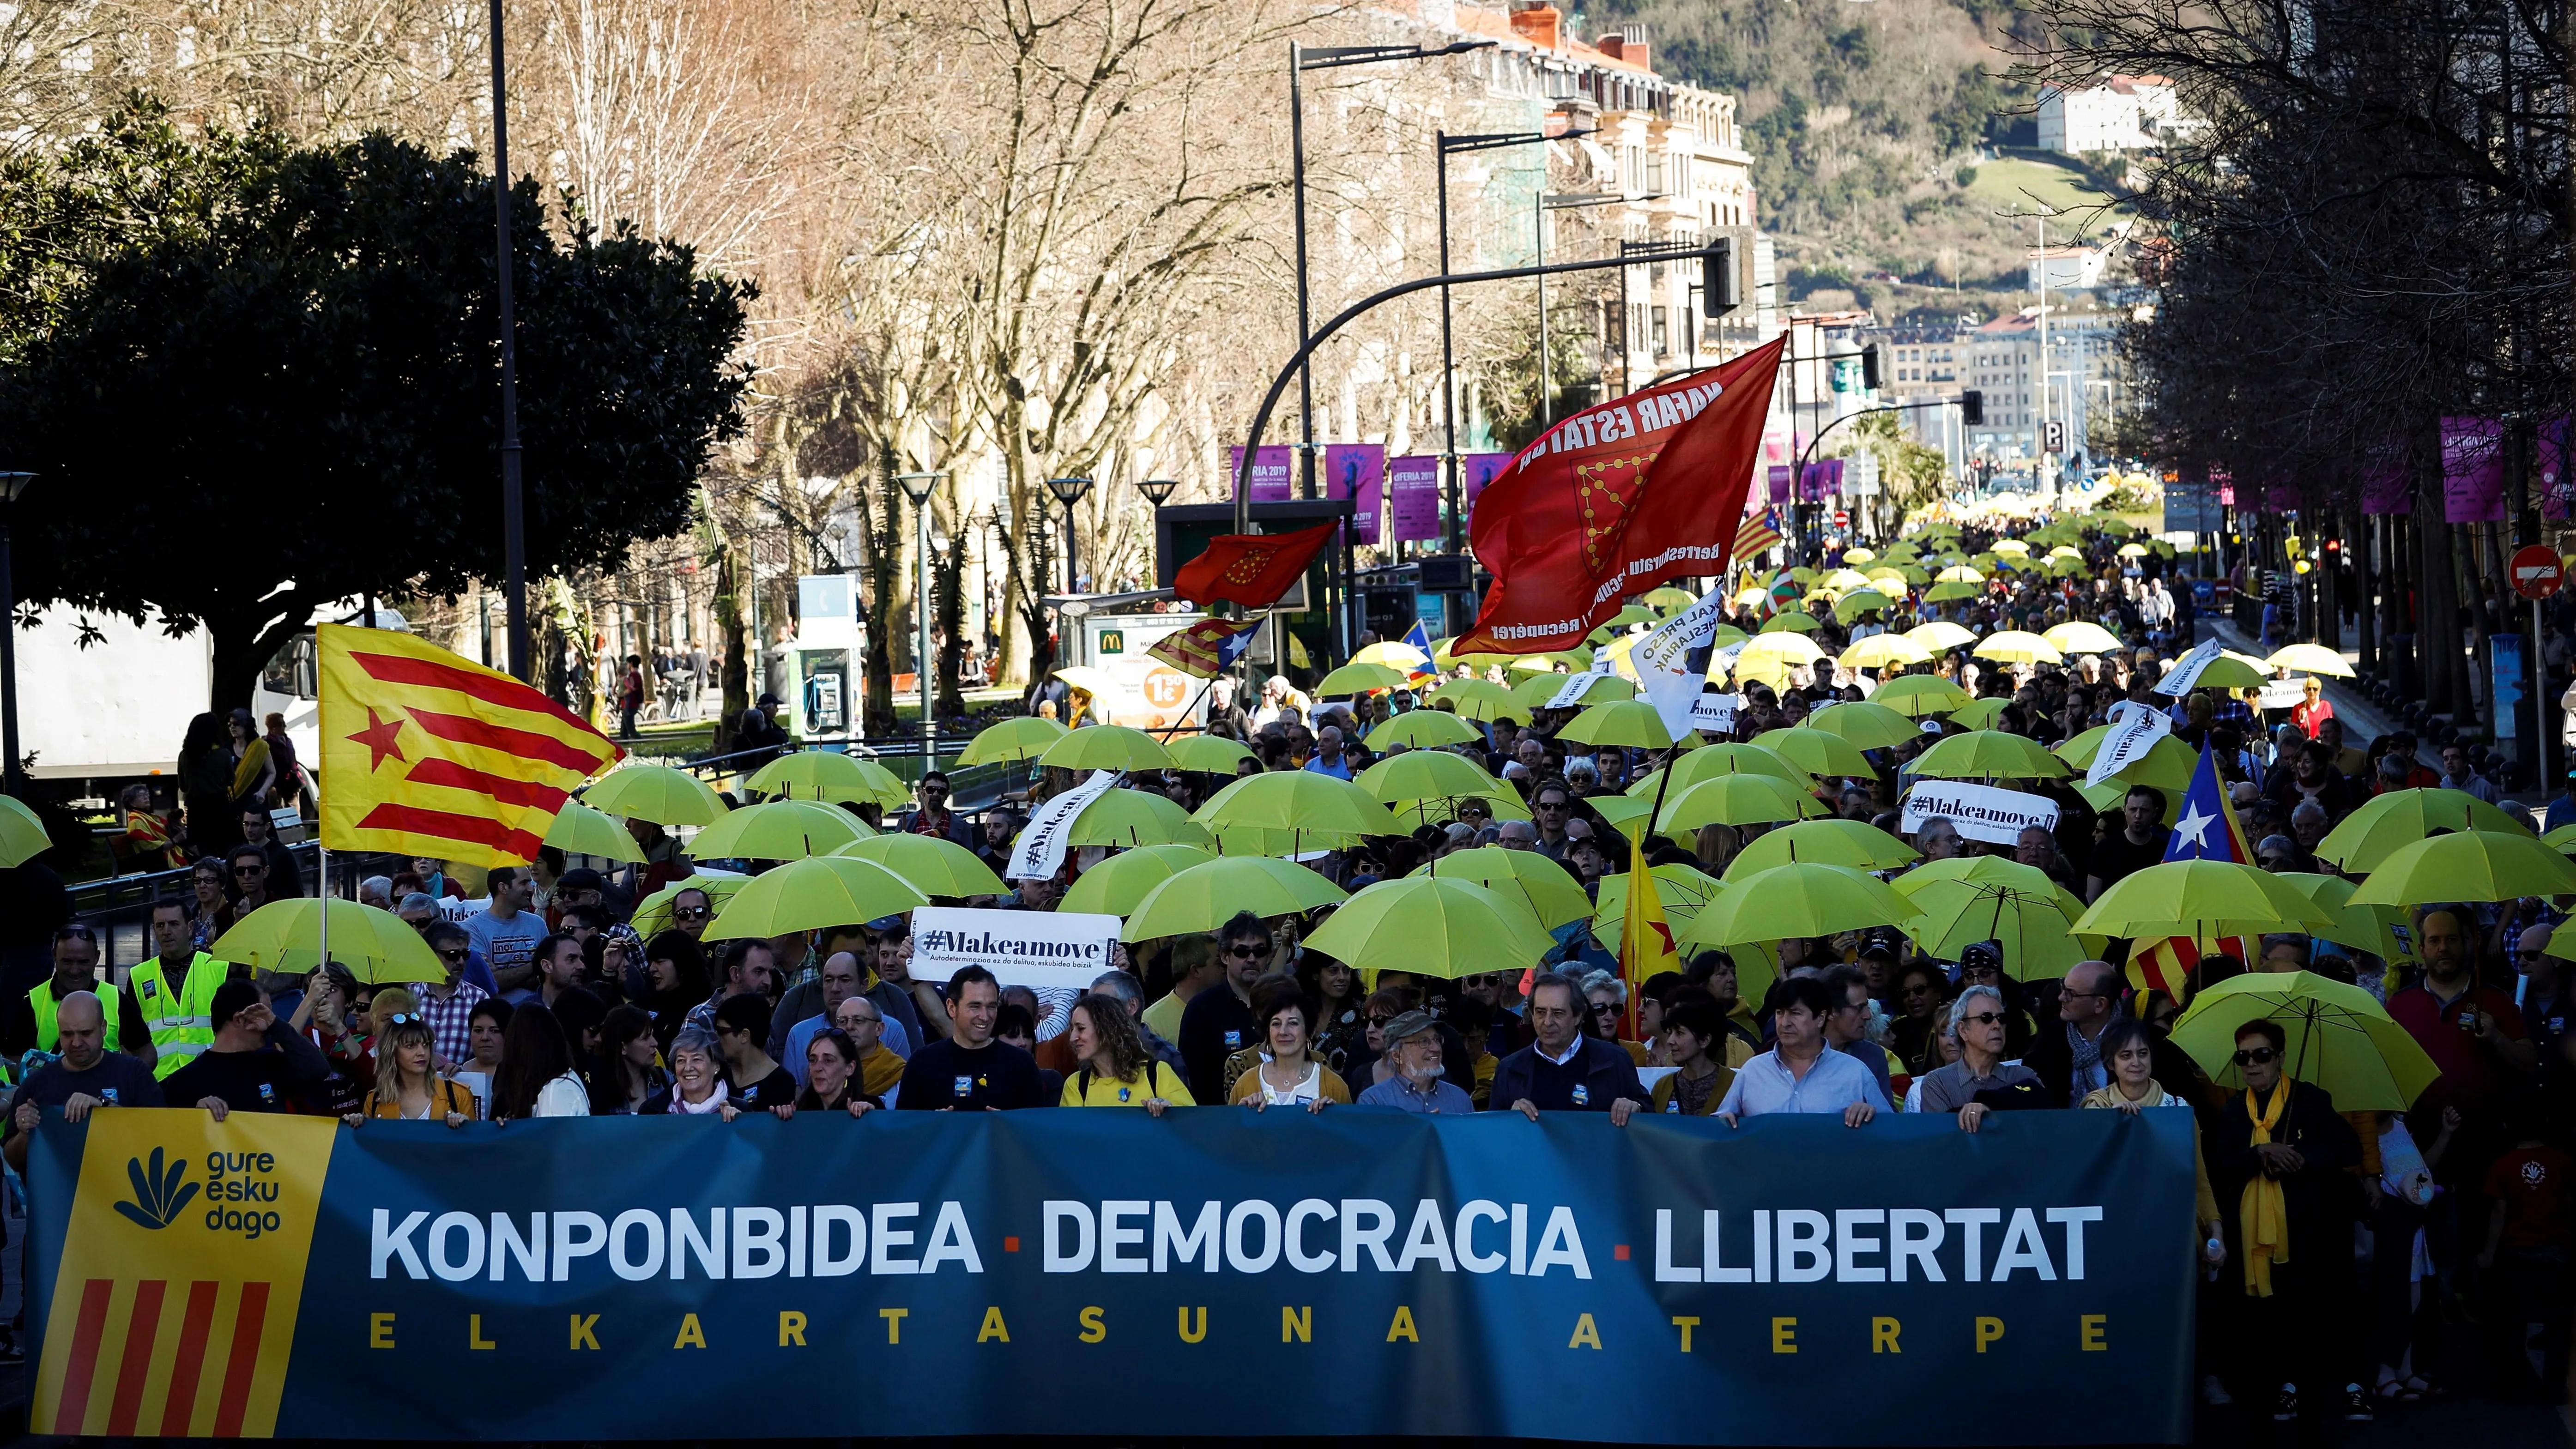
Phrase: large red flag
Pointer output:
(1250, 569)
(1616, 499)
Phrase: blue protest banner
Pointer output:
(1103, 1272)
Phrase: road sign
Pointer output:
(2537, 572)
(1842, 518)
(2056, 437)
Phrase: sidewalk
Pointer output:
(2363, 721)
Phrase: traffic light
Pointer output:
(1869, 368)
(1972, 408)
(1717, 288)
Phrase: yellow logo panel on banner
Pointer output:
(174, 1310)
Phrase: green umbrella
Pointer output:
(1012, 739)
(2035, 927)
(1987, 755)
(2472, 865)
(1107, 747)
(1866, 723)
(1797, 900)
(286, 936)
(807, 895)
(1208, 754)
(830, 775)
(653, 913)
(2202, 899)
(580, 830)
(1831, 842)
(1423, 729)
(1125, 817)
(1424, 774)
(1545, 887)
(2378, 827)
(933, 866)
(2339, 1038)
(779, 830)
(659, 793)
(1298, 801)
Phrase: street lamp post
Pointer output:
(1547, 202)
(917, 486)
(1069, 491)
(514, 531)
(1446, 145)
(13, 778)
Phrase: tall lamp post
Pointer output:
(917, 486)
(1069, 491)
(1446, 146)
(514, 529)
(13, 777)
(1547, 202)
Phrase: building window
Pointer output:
(1663, 339)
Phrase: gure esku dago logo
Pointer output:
(158, 1195)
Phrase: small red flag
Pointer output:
(1250, 570)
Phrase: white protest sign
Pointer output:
(1714, 713)
(2127, 743)
(1569, 695)
(2186, 670)
(1057, 954)
(1661, 658)
(1040, 851)
(2284, 694)
(1981, 812)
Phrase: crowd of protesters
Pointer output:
(2406, 1226)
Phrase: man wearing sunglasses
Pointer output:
(1217, 1024)
(251, 890)
(448, 1003)
(2278, 1154)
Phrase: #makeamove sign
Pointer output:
(1671, 1282)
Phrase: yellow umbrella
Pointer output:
(2014, 646)
(2012, 545)
(1424, 774)
(1791, 620)
(1865, 723)
(1820, 753)
(1359, 677)
(808, 895)
(1423, 729)
(1920, 696)
(1631, 722)
(1940, 634)
(578, 830)
(653, 913)
(1477, 699)
(830, 775)
(1011, 739)
(1858, 555)
(1128, 818)
(1959, 574)
(286, 936)
(2382, 931)
(1881, 651)
(933, 866)
(1394, 652)
(1988, 755)
(1432, 926)
(22, 835)
(1724, 758)
(1979, 714)
(1207, 754)
(1828, 842)
(1736, 800)
(1788, 648)
(1685, 892)
(2034, 927)
(1541, 885)
(1204, 897)
(779, 830)
(1860, 601)
(1113, 887)
(1535, 691)
(1982, 869)
(2473, 865)
(1797, 900)
(1667, 597)
(660, 793)
(2076, 636)
(2202, 899)
(2385, 824)
(1436, 809)
(1302, 802)
(2309, 659)
(2339, 1038)
(1107, 747)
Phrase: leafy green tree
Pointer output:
(256, 378)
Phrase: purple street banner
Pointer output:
(1272, 472)
(1476, 472)
(2383, 485)
(1357, 471)
(1413, 498)
(2472, 470)
(1779, 480)
(2281, 498)
(1822, 480)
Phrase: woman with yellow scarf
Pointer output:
(2280, 1160)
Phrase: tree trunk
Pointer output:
(948, 577)
(241, 649)
(885, 520)
(736, 674)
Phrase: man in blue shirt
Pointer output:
(1329, 759)
(1413, 1050)
(1798, 1074)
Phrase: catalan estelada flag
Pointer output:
(2205, 829)
(1207, 648)
(1645, 935)
(424, 753)
(1761, 531)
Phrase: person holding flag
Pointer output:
(2207, 829)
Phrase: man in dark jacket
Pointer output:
(2278, 1155)
(2087, 1000)
(1566, 1068)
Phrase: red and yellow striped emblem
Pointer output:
(182, 1271)
(424, 753)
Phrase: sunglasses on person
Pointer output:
(1605, 1008)
(1983, 1018)
(1246, 953)
(691, 913)
(1377, 1020)
(250, 870)
(401, 1018)
(458, 954)
(2258, 1057)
